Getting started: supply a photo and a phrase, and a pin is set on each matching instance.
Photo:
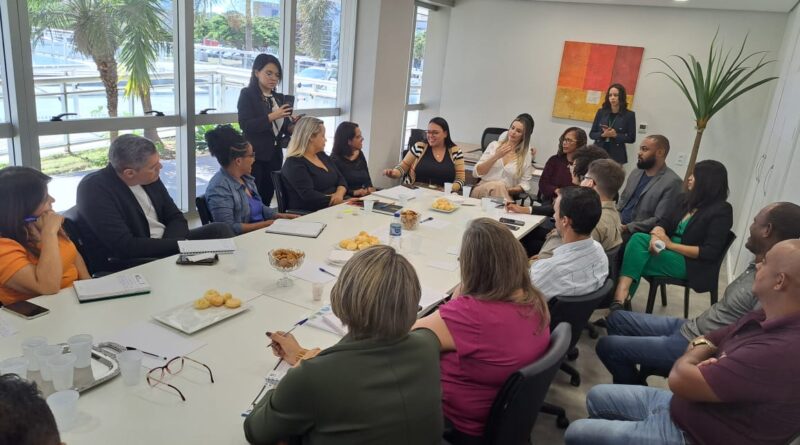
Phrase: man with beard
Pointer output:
(654, 342)
(650, 191)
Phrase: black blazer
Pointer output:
(708, 229)
(113, 223)
(625, 124)
(255, 124)
(309, 187)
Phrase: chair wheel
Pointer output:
(562, 422)
(572, 354)
(575, 380)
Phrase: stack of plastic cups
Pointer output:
(44, 354)
(29, 347)
(81, 346)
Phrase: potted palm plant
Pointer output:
(711, 88)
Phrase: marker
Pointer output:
(131, 348)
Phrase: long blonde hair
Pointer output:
(305, 129)
(494, 267)
(521, 150)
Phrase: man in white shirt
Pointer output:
(126, 215)
(580, 265)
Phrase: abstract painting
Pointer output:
(587, 70)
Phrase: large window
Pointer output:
(316, 60)
(227, 38)
(415, 77)
(102, 58)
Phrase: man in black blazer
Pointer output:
(126, 216)
(651, 189)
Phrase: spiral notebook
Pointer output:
(218, 246)
(307, 229)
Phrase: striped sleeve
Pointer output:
(458, 162)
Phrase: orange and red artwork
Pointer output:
(587, 70)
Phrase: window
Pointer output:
(316, 60)
(127, 72)
(4, 158)
(415, 76)
(68, 158)
(227, 39)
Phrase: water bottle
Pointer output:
(395, 231)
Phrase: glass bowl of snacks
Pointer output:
(409, 219)
(285, 260)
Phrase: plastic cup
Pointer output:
(487, 204)
(467, 191)
(16, 365)
(130, 365)
(316, 291)
(62, 368)
(448, 188)
(64, 405)
(29, 347)
(44, 354)
(81, 346)
(368, 205)
(404, 199)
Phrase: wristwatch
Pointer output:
(700, 341)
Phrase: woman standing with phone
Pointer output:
(614, 124)
(36, 256)
(265, 117)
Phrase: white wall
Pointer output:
(503, 58)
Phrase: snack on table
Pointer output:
(202, 303)
(409, 219)
(444, 204)
(359, 242)
(233, 303)
(212, 297)
(287, 258)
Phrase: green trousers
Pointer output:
(638, 261)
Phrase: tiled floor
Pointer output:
(593, 372)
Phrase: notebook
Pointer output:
(111, 286)
(307, 229)
(395, 192)
(218, 246)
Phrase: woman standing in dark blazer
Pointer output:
(266, 119)
(614, 124)
(694, 236)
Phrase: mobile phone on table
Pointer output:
(26, 309)
(512, 227)
(512, 221)
(205, 259)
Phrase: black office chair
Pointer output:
(662, 282)
(490, 134)
(576, 311)
(73, 231)
(613, 274)
(517, 404)
(202, 210)
(280, 194)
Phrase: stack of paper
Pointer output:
(220, 246)
(308, 229)
(111, 286)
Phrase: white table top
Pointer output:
(235, 348)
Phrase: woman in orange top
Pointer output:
(36, 257)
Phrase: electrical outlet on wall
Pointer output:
(642, 127)
(680, 159)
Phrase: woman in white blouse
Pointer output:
(505, 167)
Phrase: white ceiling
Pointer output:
(729, 5)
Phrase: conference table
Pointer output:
(234, 349)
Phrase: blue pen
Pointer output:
(299, 323)
(30, 219)
(327, 272)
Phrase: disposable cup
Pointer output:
(368, 205)
(130, 365)
(29, 347)
(44, 354)
(64, 405)
(15, 365)
(81, 346)
(316, 291)
(62, 369)
(467, 190)
(448, 188)
(404, 199)
(487, 204)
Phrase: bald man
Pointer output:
(736, 385)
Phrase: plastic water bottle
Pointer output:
(395, 231)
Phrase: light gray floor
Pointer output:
(593, 372)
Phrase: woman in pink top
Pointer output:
(496, 324)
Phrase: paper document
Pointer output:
(431, 297)
(435, 223)
(6, 330)
(325, 319)
(150, 337)
(111, 286)
(308, 229)
(395, 192)
(219, 246)
(310, 271)
(444, 265)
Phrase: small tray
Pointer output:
(103, 367)
(189, 320)
(446, 211)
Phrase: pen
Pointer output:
(299, 323)
(430, 218)
(131, 348)
(30, 219)
(327, 272)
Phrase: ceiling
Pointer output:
(728, 5)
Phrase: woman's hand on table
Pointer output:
(287, 215)
(285, 346)
(516, 208)
(392, 173)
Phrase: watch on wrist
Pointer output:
(700, 341)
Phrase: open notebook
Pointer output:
(111, 286)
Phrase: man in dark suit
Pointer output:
(126, 215)
(651, 189)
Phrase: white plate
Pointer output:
(186, 318)
(446, 211)
(340, 256)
